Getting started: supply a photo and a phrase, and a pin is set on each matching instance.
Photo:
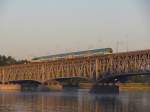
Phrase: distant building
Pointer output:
(74, 54)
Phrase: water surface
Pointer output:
(77, 101)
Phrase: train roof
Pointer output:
(72, 53)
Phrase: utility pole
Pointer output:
(127, 45)
(117, 46)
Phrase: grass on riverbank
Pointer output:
(134, 86)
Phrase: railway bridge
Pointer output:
(96, 68)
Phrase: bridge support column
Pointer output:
(50, 86)
(105, 89)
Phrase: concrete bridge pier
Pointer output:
(104, 88)
(51, 86)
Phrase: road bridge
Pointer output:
(93, 68)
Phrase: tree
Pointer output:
(8, 60)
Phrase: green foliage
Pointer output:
(8, 60)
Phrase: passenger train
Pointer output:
(71, 55)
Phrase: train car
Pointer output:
(71, 55)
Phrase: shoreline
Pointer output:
(134, 86)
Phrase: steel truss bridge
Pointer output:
(96, 68)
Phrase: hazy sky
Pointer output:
(31, 28)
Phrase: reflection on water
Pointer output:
(74, 102)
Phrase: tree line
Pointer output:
(8, 60)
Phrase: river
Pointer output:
(74, 101)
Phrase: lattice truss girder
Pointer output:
(86, 67)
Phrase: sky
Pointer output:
(32, 28)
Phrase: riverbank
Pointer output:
(10, 87)
(134, 86)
